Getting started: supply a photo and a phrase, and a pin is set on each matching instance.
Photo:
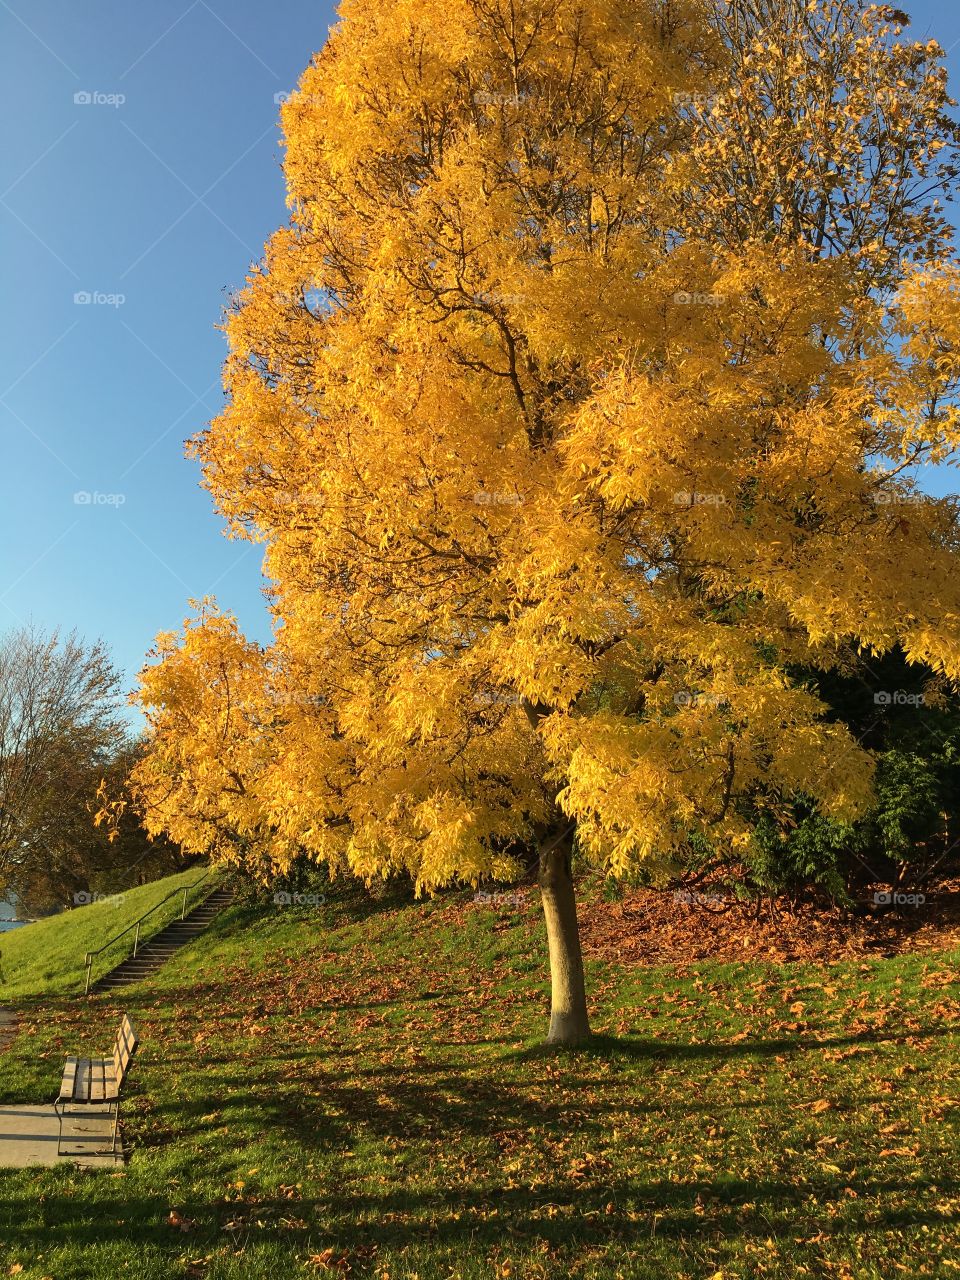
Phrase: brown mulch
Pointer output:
(660, 927)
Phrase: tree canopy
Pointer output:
(578, 407)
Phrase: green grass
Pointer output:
(47, 957)
(358, 1091)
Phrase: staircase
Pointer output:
(151, 955)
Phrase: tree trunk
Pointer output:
(569, 1022)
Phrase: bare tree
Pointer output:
(60, 720)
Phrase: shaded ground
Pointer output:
(359, 1093)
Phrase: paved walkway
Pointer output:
(8, 1027)
(28, 1136)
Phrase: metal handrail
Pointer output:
(90, 956)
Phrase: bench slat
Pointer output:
(124, 1048)
(92, 1080)
(69, 1078)
(81, 1084)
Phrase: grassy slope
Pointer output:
(47, 957)
(358, 1092)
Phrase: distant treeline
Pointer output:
(63, 738)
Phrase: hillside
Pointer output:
(47, 957)
(355, 1089)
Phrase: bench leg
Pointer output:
(113, 1113)
(59, 1114)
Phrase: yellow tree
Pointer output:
(560, 481)
(208, 699)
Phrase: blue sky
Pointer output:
(154, 206)
(163, 200)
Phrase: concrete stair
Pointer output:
(158, 950)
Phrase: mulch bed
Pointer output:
(666, 927)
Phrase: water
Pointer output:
(6, 911)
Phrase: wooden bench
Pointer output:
(95, 1082)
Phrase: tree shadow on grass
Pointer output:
(612, 1047)
(323, 1105)
(323, 1111)
(618, 1211)
(394, 1111)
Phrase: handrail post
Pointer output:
(136, 940)
(88, 961)
(183, 913)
